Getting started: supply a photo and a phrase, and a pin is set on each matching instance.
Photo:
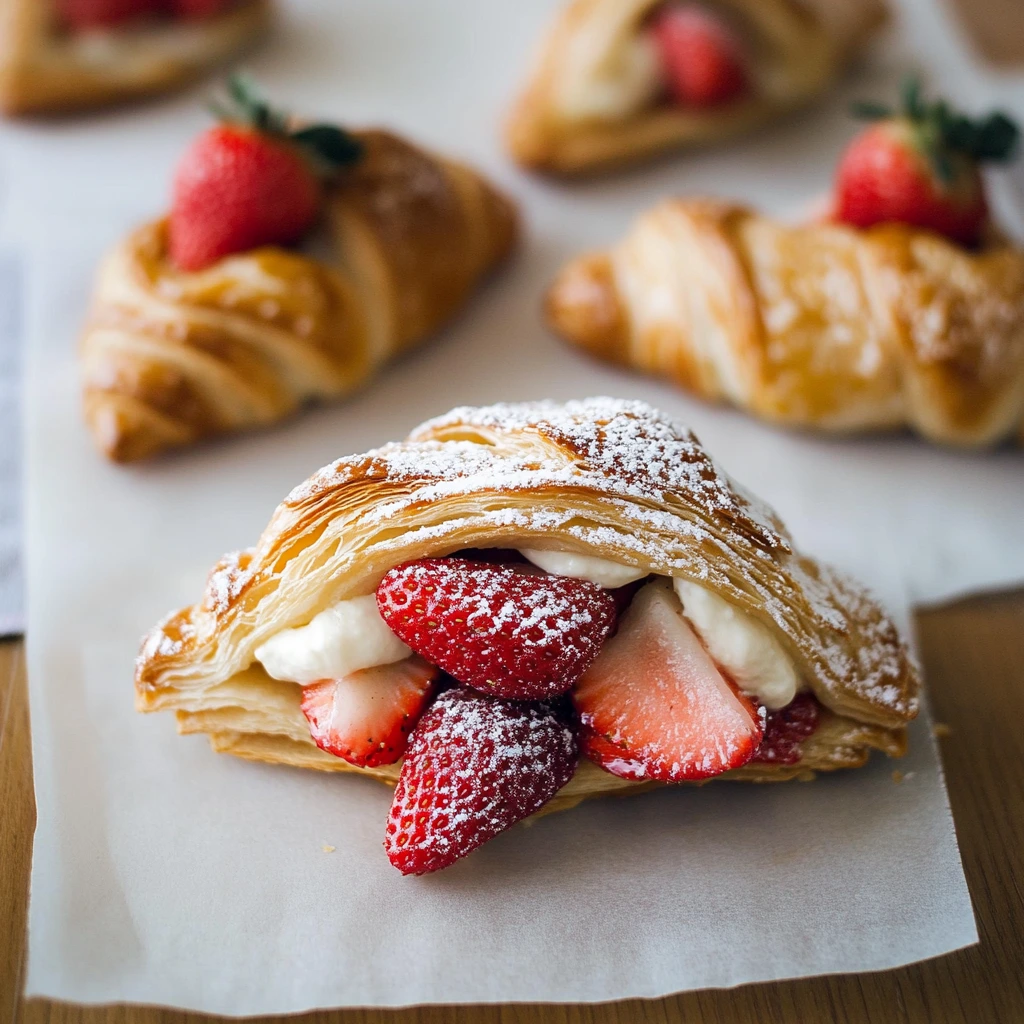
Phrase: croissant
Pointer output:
(820, 326)
(171, 357)
(47, 69)
(600, 482)
(596, 98)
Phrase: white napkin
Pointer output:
(163, 873)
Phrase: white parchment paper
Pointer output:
(164, 873)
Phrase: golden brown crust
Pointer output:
(171, 357)
(604, 477)
(43, 70)
(816, 325)
(797, 47)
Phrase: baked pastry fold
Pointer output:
(46, 70)
(821, 326)
(574, 115)
(603, 477)
(172, 357)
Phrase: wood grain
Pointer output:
(974, 663)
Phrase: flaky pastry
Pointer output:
(171, 357)
(592, 101)
(46, 69)
(602, 477)
(819, 325)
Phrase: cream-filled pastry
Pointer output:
(63, 55)
(620, 80)
(664, 628)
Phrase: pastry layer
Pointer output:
(43, 70)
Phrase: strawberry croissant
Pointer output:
(295, 262)
(522, 606)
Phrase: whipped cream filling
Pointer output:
(741, 645)
(345, 638)
(351, 635)
(601, 571)
(625, 80)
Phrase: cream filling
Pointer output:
(601, 571)
(351, 635)
(741, 645)
(345, 638)
(625, 80)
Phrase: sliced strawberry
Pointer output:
(80, 15)
(786, 729)
(502, 629)
(366, 717)
(702, 57)
(475, 766)
(655, 706)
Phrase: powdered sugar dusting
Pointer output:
(609, 474)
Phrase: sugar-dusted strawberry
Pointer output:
(199, 9)
(502, 629)
(366, 717)
(920, 166)
(654, 705)
(787, 728)
(475, 766)
(251, 181)
(79, 15)
(701, 55)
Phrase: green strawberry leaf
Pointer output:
(329, 145)
(865, 110)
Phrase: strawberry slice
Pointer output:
(365, 718)
(475, 766)
(502, 629)
(786, 729)
(701, 55)
(655, 706)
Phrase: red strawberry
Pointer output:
(79, 15)
(785, 729)
(366, 717)
(475, 766)
(198, 9)
(499, 628)
(701, 55)
(921, 167)
(654, 706)
(250, 182)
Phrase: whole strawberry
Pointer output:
(251, 181)
(920, 166)
(475, 765)
(498, 628)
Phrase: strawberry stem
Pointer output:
(328, 147)
(942, 131)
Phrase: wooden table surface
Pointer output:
(974, 663)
